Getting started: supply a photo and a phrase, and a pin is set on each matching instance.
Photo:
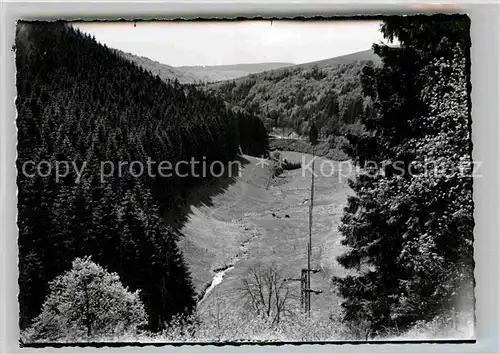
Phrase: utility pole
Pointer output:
(303, 286)
(313, 139)
(309, 246)
(305, 275)
(305, 291)
(303, 281)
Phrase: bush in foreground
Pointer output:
(242, 327)
(85, 304)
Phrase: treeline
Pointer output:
(253, 135)
(294, 97)
(409, 225)
(79, 102)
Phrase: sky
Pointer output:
(182, 43)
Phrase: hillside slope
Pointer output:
(365, 55)
(228, 72)
(164, 71)
(213, 235)
(237, 228)
(199, 74)
(326, 92)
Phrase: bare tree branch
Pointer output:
(267, 292)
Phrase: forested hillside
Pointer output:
(80, 102)
(199, 74)
(409, 226)
(365, 55)
(328, 93)
(214, 73)
(165, 72)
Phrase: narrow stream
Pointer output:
(218, 277)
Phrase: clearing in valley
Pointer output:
(243, 224)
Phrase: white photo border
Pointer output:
(485, 80)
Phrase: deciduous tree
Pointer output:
(87, 303)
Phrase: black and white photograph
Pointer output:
(250, 180)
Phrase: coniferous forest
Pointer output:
(78, 101)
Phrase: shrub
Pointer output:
(447, 325)
(85, 304)
(287, 165)
(246, 327)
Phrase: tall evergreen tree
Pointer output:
(313, 134)
(405, 228)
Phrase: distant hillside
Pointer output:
(366, 55)
(165, 72)
(327, 92)
(199, 74)
(228, 72)
(218, 73)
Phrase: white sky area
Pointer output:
(223, 43)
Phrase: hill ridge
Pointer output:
(195, 74)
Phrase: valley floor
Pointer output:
(244, 224)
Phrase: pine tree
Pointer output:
(313, 134)
(439, 254)
(398, 226)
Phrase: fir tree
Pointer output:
(399, 226)
(313, 134)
